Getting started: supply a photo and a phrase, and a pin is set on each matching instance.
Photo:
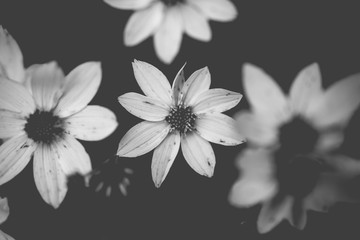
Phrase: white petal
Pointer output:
(152, 81)
(93, 123)
(199, 154)
(218, 128)
(298, 216)
(305, 88)
(264, 94)
(4, 210)
(216, 100)
(15, 154)
(337, 104)
(128, 4)
(11, 124)
(11, 59)
(196, 84)
(329, 140)
(164, 156)
(142, 138)
(49, 178)
(257, 181)
(218, 10)
(168, 36)
(146, 108)
(81, 85)
(46, 82)
(14, 97)
(178, 85)
(4, 236)
(143, 23)
(195, 23)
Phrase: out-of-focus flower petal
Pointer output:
(11, 124)
(195, 24)
(329, 140)
(4, 236)
(178, 85)
(298, 215)
(129, 4)
(4, 209)
(218, 10)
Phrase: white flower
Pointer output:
(4, 213)
(291, 170)
(45, 123)
(168, 19)
(187, 113)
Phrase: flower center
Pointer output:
(181, 119)
(44, 127)
(172, 2)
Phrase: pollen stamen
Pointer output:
(182, 119)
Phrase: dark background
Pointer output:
(281, 37)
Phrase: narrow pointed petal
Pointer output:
(11, 124)
(178, 85)
(257, 181)
(50, 180)
(298, 215)
(219, 128)
(46, 82)
(264, 94)
(216, 100)
(164, 156)
(11, 58)
(15, 154)
(337, 104)
(195, 23)
(217, 10)
(305, 88)
(129, 4)
(142, 138)
(81, 85)
(93, 123)
(152, 81)
(14, 97)
(143, 23)
(199, 154)
(4, 236)
(4, 210)
(196, 84)
(168, 36)
(146, 108)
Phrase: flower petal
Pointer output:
(178, 85)
(164, 156)
(337, 104)
(216, 100)
(199, 154)
(218, 10)
(93, 123)
(11, 58)
(257, 181)
(218, 128)
(4, 210)
(146, 108)
(142, 138)
(196, 84)
(152, 81)
(195, 23)
(49, 178)
(128, 4)
(11, 124)
(81, 85)
(15, 154)
(46, 82)
(4, 236)
(264, 94)
(168, 36)
(298, 215)
(329, 140)
(143, 23)
(14, 97)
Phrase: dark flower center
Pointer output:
(44, 127)
(181, 119)
(172, 2)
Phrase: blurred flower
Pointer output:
(187, 113)
(4, 213)
(291, 170)
(168, 19)
(46, 122)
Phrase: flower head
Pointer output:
(188, 113)
(168, 19)
(4, 213)
(291, 169)
(44, 121)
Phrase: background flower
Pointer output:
(4, 213)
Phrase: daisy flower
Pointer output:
(168, 19)
(4, 213)
(289, 167)
(188, 113)
(44, 123)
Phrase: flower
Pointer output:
(289, 166)
(168, 19)
(45, 122)
(4, 213)
(187, 113)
